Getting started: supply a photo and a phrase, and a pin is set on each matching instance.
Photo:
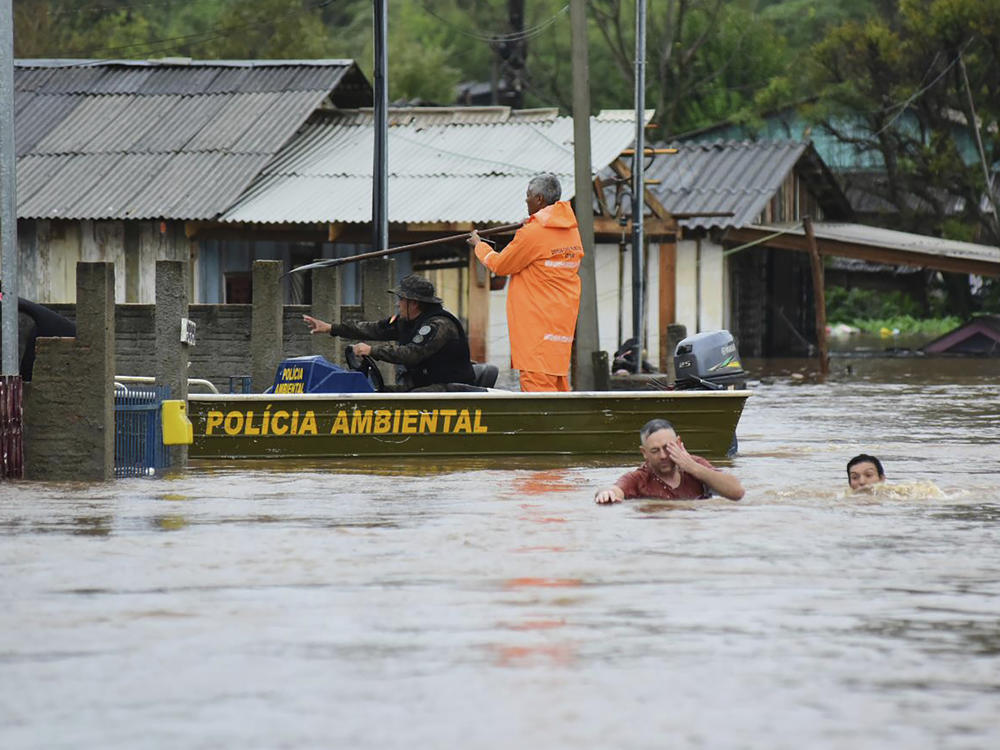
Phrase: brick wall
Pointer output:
(223, 339)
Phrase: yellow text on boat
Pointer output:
(282, 422)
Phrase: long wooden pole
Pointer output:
(819, 296)
(402, 248)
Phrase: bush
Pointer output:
(871, 311)
(907, 325)
(847, 306)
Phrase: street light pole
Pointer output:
(638, 186)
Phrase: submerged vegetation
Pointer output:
(874, 311)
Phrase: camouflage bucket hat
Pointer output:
(416, 288)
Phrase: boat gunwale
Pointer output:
(464, 395)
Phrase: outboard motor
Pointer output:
(708, 361)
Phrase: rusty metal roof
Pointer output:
(176, 139)
(446, 164)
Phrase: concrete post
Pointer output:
(586, 343)
(378, 276)
(70, 417)
(326, 306)
(267, 323)
(171, 354)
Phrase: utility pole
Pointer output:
(638, 185)
(511, 51)
(11, 415)
(8, 202)
(587, 340)
(380, 168)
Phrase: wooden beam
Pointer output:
(875, 254)
(599, 194)
(198, 230)
(607, 227)
(649, 150)
(442, 227)
(478, 308)
(668, 298)
(625, 172)
(819, 298)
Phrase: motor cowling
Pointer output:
(316, 374)
(708, 361)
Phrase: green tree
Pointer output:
(914, 93)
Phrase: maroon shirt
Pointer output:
(644, 483)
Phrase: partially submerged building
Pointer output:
(979, 337)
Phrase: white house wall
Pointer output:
(711, 286)
(606, 263)
(687, 295)
(702, 299)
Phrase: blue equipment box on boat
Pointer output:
(316, 374)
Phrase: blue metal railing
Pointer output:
(139, 448)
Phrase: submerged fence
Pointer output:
(139, 448)
(11, 427)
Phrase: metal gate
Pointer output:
(139, 448)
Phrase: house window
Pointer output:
(239, 290)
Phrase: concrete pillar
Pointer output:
(326, 295)
(69, 412)
(267, 323)
(172, 355)
(378, 276)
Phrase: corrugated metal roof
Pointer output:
(178, 76)
(445, 164)
(737, 177)
(158, 139)
(861, 234)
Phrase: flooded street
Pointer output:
(494, 605)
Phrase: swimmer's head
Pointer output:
(863, 471)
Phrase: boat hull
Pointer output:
(455, 424)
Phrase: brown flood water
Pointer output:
(493, 605)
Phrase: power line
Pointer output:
(514, 36)
(903, 106)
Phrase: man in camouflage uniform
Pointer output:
(427, 340)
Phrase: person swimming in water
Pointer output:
(864, 471)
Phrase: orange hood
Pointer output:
(557, 216)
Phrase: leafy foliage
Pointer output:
(872, 310)
(845, 305)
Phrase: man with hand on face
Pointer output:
(670, 472)
(864, 472)
(429, 341)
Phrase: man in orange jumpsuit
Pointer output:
(543, 298)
